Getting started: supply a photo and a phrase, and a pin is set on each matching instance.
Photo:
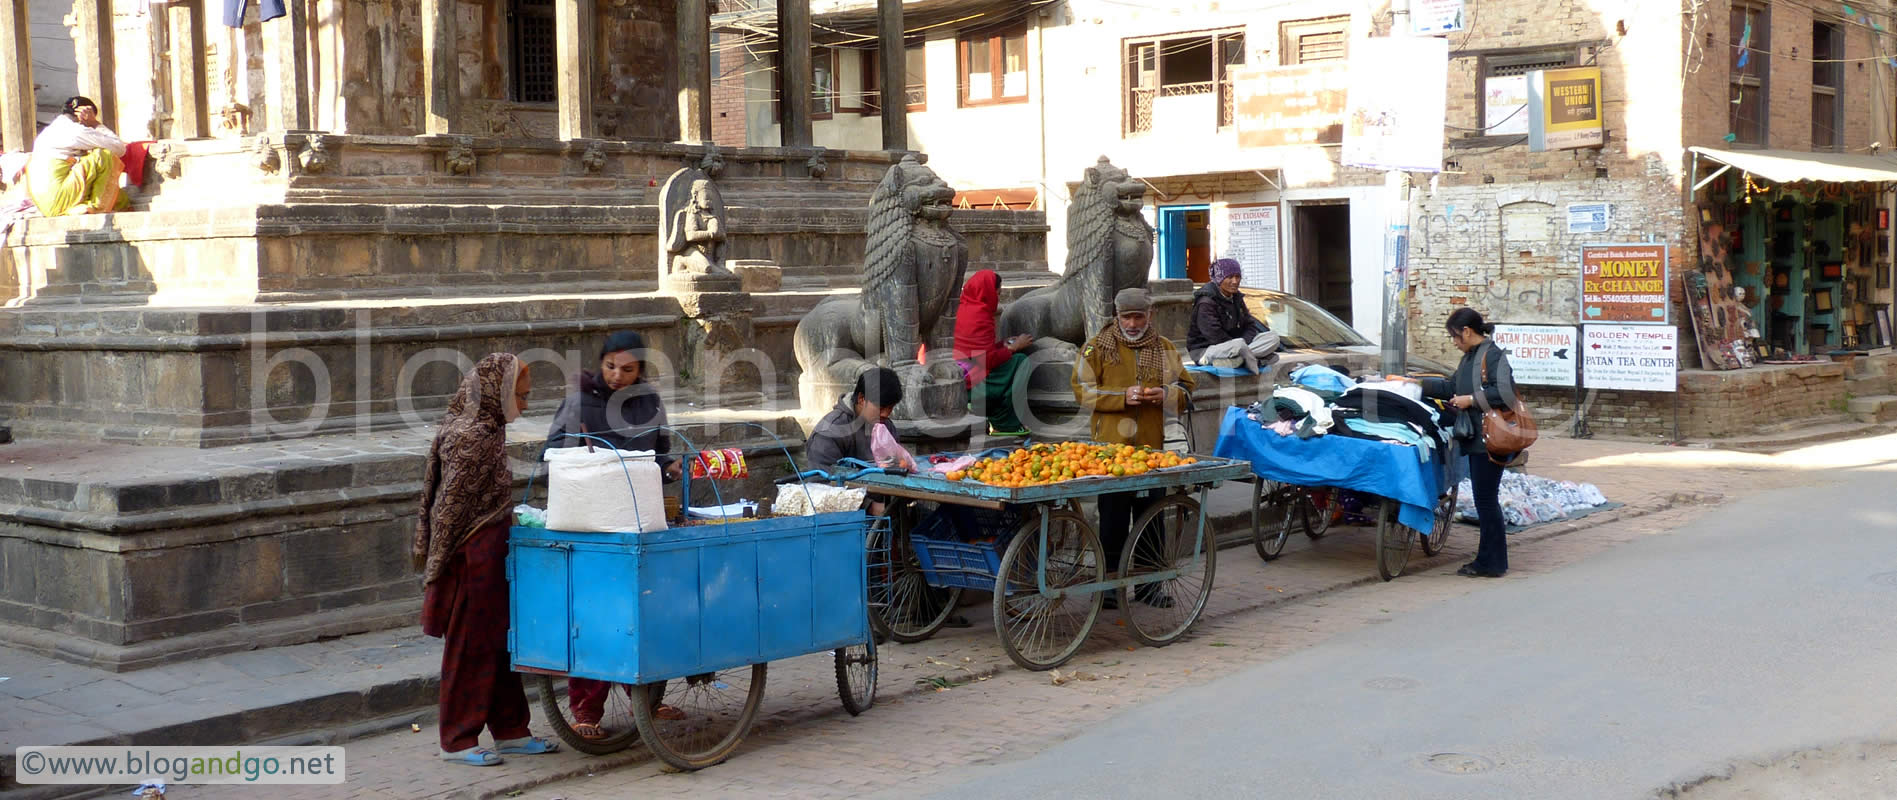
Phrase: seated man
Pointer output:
(1224, 333)
(845, 431)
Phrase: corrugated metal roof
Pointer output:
(1790, 166)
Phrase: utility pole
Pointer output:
(1396, 245)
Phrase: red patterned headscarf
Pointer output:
(467, 485)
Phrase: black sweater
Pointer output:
(627, 418)
(1217, 319)
(1496, 392)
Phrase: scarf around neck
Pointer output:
(467, 484)
(1150, 365)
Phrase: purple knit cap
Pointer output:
(1225, 268)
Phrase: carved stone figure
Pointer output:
(1109, 248)
(905, 317)
(315, 157)
(593, 158)
(692, 218)
(460, 157)
(266, 156)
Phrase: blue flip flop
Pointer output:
(528, 746)
(473, 757)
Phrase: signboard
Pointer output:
(1295, 105)
(1565, 109)
(1434, 17)
(1505, 105)
(1590, 217)
(1251, 237)
(1641, 358)
(1540, 355)
(1624, 283)
(1398, 87)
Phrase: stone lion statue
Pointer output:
(1109, 248)
(905, 316)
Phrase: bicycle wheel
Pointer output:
(615, 719)
(1167, 537)
(903, 606)
(1323, 509)
(1393, 542)
(1439, 533)
(856, 676)
(1041, 632)
(1278, 512)
(717, 709)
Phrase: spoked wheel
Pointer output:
(1439, 533)
(615, 718)
(717, 708)
(1273, 517)
(1321, 506)
(1393, 542)
(1167, 537)
(902, 604)
(1041, 632)
(856, 676)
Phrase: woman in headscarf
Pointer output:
(76, 164)
(989, 366)
(461, 548)
(1224, 333)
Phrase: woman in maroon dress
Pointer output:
(461, 548)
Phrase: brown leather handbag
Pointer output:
(1505, 430)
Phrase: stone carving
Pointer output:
(692, 221)
(818, 166)
(905, 317)
(1109, 248)
(712, 164)
(460, 156)
(315, 156)
(593, 159)
(170, 161)
(267, 158)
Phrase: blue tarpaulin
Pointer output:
(1364, 465)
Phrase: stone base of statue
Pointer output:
(757, 275)
(703, 282)
(717, 333)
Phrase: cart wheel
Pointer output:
(616, 718)
(1040, 632)
(1393, 542)
(856, 676)
(1168, 536)
(718, 709)
(1439, 534)
(903, 606)
(1320, 512)
(1273, 517)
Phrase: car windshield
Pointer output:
(1300, 323)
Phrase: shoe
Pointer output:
(473, 757)
(527, 746)
(1468, 571)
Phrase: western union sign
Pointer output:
(1565, 109)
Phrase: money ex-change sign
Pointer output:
(1641, 358)
(1624, 283)
(1540, 355)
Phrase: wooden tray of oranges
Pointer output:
(1047, 472)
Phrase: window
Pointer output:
(1311, 40)
(1827, 81)
(1751, 38)
(1503, 104)
(994, 67)
(536, 68)
(823, 83)
(1181, 66)
(915, 82)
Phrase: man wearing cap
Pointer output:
(1129, 377)
(1224, 333)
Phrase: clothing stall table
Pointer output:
(1414, 506)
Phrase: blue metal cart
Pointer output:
(1043, 560)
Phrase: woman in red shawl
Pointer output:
(461, 548)
(989, 365)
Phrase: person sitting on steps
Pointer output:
(1224, 333)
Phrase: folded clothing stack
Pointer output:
(1529, 500)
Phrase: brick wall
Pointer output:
(1788, 94)
(727, 90)
(1711, 405)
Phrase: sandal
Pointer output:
(473, 757)
(668, 712)
(527, 746)
(589, 731)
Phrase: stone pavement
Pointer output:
(262, 695)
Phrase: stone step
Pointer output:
(1869, 386)
(1874, 409)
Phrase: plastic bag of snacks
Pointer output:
(803, 500)
(722, 464)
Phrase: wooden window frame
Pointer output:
(1129, 54)
(997, 60)
(1290, 30)
(873, 82)
(1835, 89)
(517, 10)
(820, 52)
(1490, 63)
(1762, 84)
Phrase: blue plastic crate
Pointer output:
(959, 565)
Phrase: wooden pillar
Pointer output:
(793, 71)
(694, 71)
(287, 68)
(441, 82)
(574, 23)
(98, 69)
(895, 75)
(190, 115)
(16, 86)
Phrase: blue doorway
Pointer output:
(1185, 242)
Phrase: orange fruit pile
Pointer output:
(1043, 464)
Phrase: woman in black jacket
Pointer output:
(616, 404)
(1482, 381)
(1224, 333)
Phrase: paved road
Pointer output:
(1762, 628)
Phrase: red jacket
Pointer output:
(975, 344)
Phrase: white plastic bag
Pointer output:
(587, 492)
(793, 501)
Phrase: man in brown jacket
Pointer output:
(1129, 376)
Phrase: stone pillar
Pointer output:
(190, 114)
(441, 74)
(720, 360)
(16, 86)
(694, 71)
(92, 39)
(895, 75)
(793, 71)
(574, 23)
(287, 68)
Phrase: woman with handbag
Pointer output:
(1490, 429)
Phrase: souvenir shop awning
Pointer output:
(1791, 166)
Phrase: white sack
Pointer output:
(588, 492)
